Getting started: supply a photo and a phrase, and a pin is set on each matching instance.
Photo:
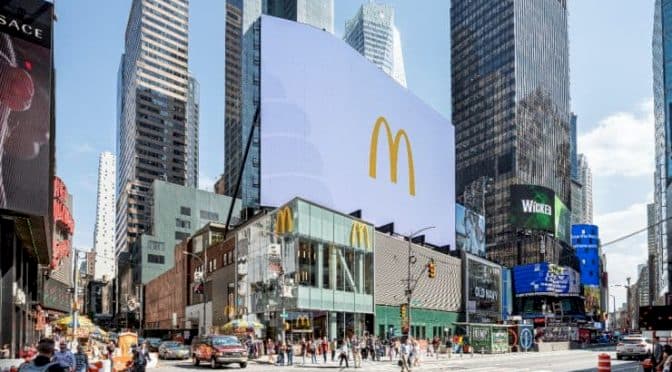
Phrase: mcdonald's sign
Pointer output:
(302, 322)
(359, 235)
(284, 221)
(393, 146)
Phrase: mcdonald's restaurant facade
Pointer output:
(309, 271)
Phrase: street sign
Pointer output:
(526, 338)
(284, 315)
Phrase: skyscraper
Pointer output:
(653, 258)
(373, 34)
(586, 180)
(157, 123)
(103, 234)
(510, 108)
(243, 61)
(662, 98)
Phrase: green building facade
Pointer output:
(426, 323)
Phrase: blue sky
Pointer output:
(610, 56)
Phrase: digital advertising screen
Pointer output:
(591, 295)
(469, 230)
(563, 221)
(484, 283)
(338, 131)
(533, 207)
(545, 279)
(25, 106)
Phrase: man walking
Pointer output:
(45, 351)
(343, 354)
(64, 357)
(657, 351)
(404, 353)
(325, 349)
(357, 353)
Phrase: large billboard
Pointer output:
(25, 105)
(484, 289)
(469, 231)
(563, 221)
(585, 241)
(533, 207)
(338, 131)
(545, 279)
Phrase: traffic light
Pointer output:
(402, 312)
(431, 269)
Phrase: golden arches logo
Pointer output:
(393, 145)
(302, 321)
(359, 235)
(284, 221)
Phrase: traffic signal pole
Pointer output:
(409, 290)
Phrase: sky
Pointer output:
(611, 92)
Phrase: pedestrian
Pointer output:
(343, 354)
(332, 347)
(657, 351)
(81, 360)
(43, 361)
(325, 349)
(371, 347)
(5, 352)
(415, 353)
(304, 347)
(404, 354)
(111, 347)
(270, 350)
(667, 361)
(290, 353)
(280, 347)
(139, 362)
(64, 357)
(356, 353)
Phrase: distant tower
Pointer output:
(373, 34)
(103, 236)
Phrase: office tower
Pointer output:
(155, 137)
(243, 60)
(373, 34)
(662, 98)
(573, 146)
(586, 180)
(103, 234)
(653, 258)
(510, 108)
(193, 110)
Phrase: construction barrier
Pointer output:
(604, 363)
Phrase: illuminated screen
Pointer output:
(338, 131)
(25, 106)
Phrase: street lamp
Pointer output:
(627, 288)
(411, 260)
(205, 272)
(613, 318)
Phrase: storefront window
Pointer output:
(307, 263)
(326, 256)
(368, 273)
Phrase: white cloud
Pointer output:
(624, 256)
(622, 144)
(83, 148)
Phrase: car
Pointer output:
(218, 350)
(634, 346)
(153, 344)
(173, 350)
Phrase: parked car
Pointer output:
(173, 350)
(634, 346)
(218, 350)
(154, 343)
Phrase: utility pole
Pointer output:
(411, 260)
(630, 318)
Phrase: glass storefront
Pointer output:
(309, 272)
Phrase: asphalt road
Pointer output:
(557, 361)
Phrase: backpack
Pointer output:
(31, 367)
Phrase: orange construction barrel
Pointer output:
(604, 363)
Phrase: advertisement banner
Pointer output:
(544, 278)
(25, 106)
(563, 221)
(591, 295)
(469, 231)
(338, 131)
(484, 289)
(533, 208)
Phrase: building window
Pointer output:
(179, 235)
(156, 259)
(207, 215)
(307, 264)
(182, 223)
(156, 246)
(185, 211)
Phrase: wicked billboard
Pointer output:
(533, 207)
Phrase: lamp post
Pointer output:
(205, 272)
(613, 317)
(411, 260)
(627, 288)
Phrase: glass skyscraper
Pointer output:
(510, 100)
(243, 61)
(157, 134)
(662, 102)
(373, 34)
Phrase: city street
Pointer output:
(557, 361)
